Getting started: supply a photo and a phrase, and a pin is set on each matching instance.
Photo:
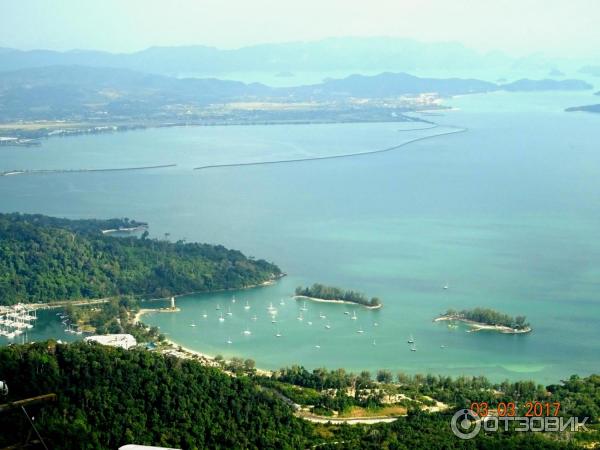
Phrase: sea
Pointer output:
(505, 215)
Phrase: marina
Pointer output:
(16, 319)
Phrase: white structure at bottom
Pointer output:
(125, 341)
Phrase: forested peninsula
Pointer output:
(44, 259)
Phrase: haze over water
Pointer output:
(506, 214)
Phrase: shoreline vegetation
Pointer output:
(330, 294)
(485, 319)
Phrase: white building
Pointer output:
(125, 341)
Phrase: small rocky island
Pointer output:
(487, 319)
(321, 293)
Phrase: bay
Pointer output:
(506, 214)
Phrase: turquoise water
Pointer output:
(507, 214)
(47, 326)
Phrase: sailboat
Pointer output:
(321, 315)
(360, 331)
(413, 348)
(218, 307)
(328, 326)
(204, 315)
(411, 339)
(317, 346)
(192, 324)
(278, 333)
(233, 299)
(282, 302)
(254, 317)
(374, 343)
(446, 286)
(304, 308)
(247, 305)
(271, 307)
(300, 317)
(354, 315)
(229, 341)
(221, 319)
(247, 332)
(229, 313)
(347, 313)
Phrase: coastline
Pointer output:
(479, 326)
(179, 351)
(341, 302)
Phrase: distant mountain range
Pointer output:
(67, 91)
(591, 70)
(586, 108)
(350, 54)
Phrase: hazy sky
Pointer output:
(556, 27)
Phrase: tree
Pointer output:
(384, 376)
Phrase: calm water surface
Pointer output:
(506, 214)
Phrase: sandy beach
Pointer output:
(478, 326)
(323, 300)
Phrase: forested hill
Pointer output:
(109, 397)
(45, 259)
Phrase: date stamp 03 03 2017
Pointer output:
(532, 416)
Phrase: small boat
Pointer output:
(247, 305)
(271, 307)
(375, 324)
(218, 307)
(411, 339)
(221, 319)
(347, 313)
(273, 321)
(204, 315)
(229, 313)
(300, 317)
(254, 317)
(445, 286)
(328, 326)
(304, 308)
(282, 302)
(354, 316)
(413, 348)
(247, 332)
(322, 316)
(442, 346)
(310, 323)
(374, 343)
(192, 324)
(317, 346)
(229, 341)
(360, 331)
(233, 299)
(278, 334)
